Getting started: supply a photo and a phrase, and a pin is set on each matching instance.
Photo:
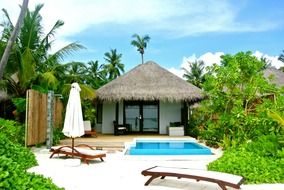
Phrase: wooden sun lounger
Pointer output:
(85, 152)
(222, 179)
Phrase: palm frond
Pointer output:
(27, 70)
(8, 17)
(46, 43)
(67, 50)
(86, 91)
(49, 80)
(276, 117)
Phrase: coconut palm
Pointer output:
(266, 62)
(114, 67)
(281, 57)
(140, 43)
(12, 38)
(75, 72)
(96, 74)
(30, 63)
(195, 75)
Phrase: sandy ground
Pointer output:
(124, 172)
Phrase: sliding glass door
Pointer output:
(142, 117)
(132, 117)
(150, 118)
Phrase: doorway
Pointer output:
(142, 117)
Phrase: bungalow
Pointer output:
(147, 98)
(274, 76)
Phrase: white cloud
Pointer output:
(210, 58)
(175, 18)
(274, 59)
(177, 72)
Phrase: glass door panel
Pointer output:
(150, 118)
(132, 115)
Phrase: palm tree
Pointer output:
(30, 61)
(76, 72)
(96, 74)
(140, 43)
(114, 67)
(195, 75)
(13, 37)
(266, 62)
(281, 57)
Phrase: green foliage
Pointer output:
(57, 135)
(89, 111)
(194, 124)
(13, 130)
(113, 66)
(140, 42)
(16, 159)
(20, 111)
(17, 153)
(97, 75)
(12, 176)
(260, 161)
(20, 104)
(264, 146)
(238, 101)
(195, 75)
(31, 57)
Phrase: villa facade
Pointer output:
(147, 98)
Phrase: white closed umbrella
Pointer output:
(73, 122)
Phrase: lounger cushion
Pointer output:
(81, 150)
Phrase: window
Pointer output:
(99, 112)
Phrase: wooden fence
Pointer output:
(36, 117)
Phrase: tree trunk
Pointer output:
(13, 37)
(142, 58)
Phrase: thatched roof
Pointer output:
(149, 82)
(277, 76)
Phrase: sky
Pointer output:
(180, 30)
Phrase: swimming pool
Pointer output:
(167, 147)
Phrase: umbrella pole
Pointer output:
(72, 147)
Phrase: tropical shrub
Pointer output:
(260, 161)
(238, 100)
(17, 153)
(12, 176)
(15, 160)
(57, 135)
(13, 130)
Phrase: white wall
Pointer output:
(169, 112)
(108, 117)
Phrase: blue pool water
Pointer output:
(168, 147)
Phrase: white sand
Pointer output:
(124, 172)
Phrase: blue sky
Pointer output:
(180, 30)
